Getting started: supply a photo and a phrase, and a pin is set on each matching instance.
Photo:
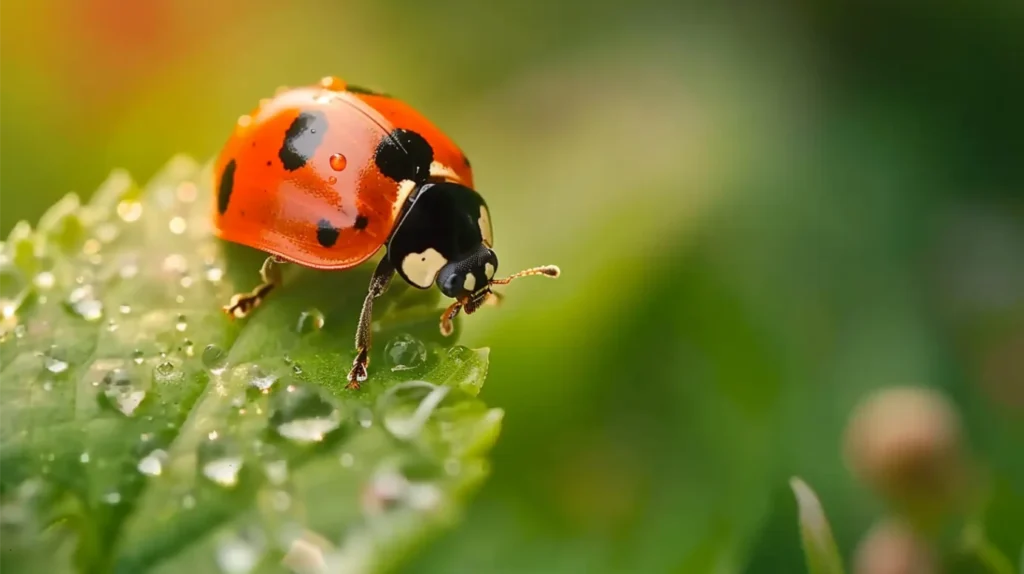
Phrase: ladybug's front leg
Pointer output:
(378, 285)
(241, 304)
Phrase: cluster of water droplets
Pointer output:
(204, 418)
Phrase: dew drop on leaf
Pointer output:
(125, 309)
(310, 320)
(365, 417)
(83, 302)
(138, 356)
(215, 359)
(153, 463)
(181, 324)
(83, 458)
(406, 407)
(121, 392)
(302, 414)
(112, 497)
(405, 352)
(259, 379)
(240, 553)
(44, 280)
(54, 361)
(220, 460)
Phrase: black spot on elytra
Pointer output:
(365, 91)
(326, 233)
(227, 185)
(301, 139)
(361, 222)
(404, 154)
(269, 163)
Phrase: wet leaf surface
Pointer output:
(145, 431)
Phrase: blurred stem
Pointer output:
(981, 547)
(993, 558)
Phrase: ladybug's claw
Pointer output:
(241, 304)
(358, 372)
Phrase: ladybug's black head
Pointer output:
(470, 276)
(445, 237)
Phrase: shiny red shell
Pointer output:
(337, 208)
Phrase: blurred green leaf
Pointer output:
(144, 430)
(819, 547)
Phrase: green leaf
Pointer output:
(143, 430)
(819, 547)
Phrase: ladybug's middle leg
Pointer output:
(241, 304)
(378, 285)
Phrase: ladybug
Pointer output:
(326, 175)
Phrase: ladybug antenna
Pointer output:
(472, 303)
(548, 270)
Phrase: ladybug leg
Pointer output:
(241, 304)
(378, 285)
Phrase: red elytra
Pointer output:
(274, 199)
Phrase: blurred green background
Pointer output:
(762, 212)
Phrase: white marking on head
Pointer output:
(422, 268)
(470, 283)
(441, 171)
(405, 188)
(489, 270)
(485, 227)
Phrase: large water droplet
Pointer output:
(153, 463)
(406, 407)
(220, 460)
(303, 414)
(215, 359)
(83, 302)
(338, 161)
(310, 320)
(405, 352)
(121, 391)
